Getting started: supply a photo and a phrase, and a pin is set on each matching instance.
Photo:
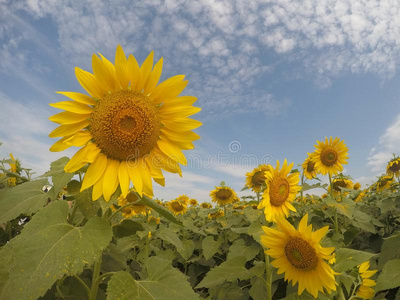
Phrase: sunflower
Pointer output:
(184, 199)
(360, 197)
(177, 207)
(357, 186)
(132, 210)
(205, 205)
(299, 255)
(366, 291)
(309, 167)
(330, 156)
(223, 195)
(281, 190)
(219, 213)
(393, 167)
(129, 127)
(12, 181)
(193, 202)
(384, 183)
(153, 219)
(339, 183)
(256, 178)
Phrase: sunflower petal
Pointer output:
(67, 117)
(154, 77)
(60, 145)
(89, 83)
(95, 171)
(68, 130)
(97, 189)
(134, 175)
(77, 161)
(145, 70)
(110, 179)
(80, 139)
(78, 97)
(123, 177)
(133, 72)
(121, 67)
(73, 106)
(172, 151)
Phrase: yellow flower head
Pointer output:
(131, 210)
(177, 207)
(281, 190)
(223, 195)
(256, 178)
(360, 197)
(357, 186)
(309, 167)
(205, 205)
(330, 156)
(12, 181)
(393, 167)
(219, 213)
(153, 219)
(299, 255)
(184, 199)
(341, 182)
(193, 202)
(366, 291)
(130, 127)
(384, 183)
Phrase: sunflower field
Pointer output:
(92, 228)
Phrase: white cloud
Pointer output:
(389, 143)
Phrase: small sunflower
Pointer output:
(12, 181)
(205, 205)
(309, 168)
(184, 199)
(193, 202)
(360, 197)
(330, 156)
(256, 178)
(177, 207)
(130, 127)
(393, 167)
(366, 291)
(384, 183)
(219, 213)
(132, 210)
(153, 219)
(299, 255)
(281, 190)
(357, 186)
(341, 182)
(223, 195)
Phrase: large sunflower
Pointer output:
(129, 127)
(177, 207)
(281, 190)
(393, 167)
(256, 178)
(330, 156)
(309, 167)
(299, 255)
(223, 195)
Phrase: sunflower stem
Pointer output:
(335, 208)
(95, 283)
(268, 275)
(301, 191)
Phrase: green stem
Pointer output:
(268, 275)
(335, 208)
(301, 191)
(83, 284)
(72, 214)
(258, 197)
(58, 289)
(102, 276)
(9, 230)
(95, 276)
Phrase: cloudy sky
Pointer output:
(272, 77)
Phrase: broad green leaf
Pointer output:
(86, 206)
(258, 290)
(239, 248)
(126, 228)
(255, 230)
(163, 282)
(390, 276)
(210, 247)
(389, 251)
(229, 270)
(188, 248)
(171, 237)
(348, 258)
(160, 209)
(49, 247)
(26, 198)
(59, 178)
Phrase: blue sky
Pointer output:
(272, 77)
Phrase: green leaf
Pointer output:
(49, 247)
(26, 198)
(86, 206)
(389, 251)
(229, 270)
(57, 174)
(127, 228)
(171, 237)
(258, 290)
(239, 248)
(390, 276)
(188, 248)
(163, 282)
(210, 247)
(256, 231)
(160, 209)
(348, 258)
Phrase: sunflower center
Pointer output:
(125, 125)
(395, 167)
(338, 184)
(224, 194)
(329, 157)
(310, 166)
(258, 178)
(279, 191)
(176, 206)
(301, 254)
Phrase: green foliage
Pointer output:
(390, 276)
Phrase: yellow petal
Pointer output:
(154, 77)
(68, 130)
(77, 161)
(180, 101)
(102, 74)
(162, 160)
(67, 117)
(146, 178)
(165, 85)
(97, 189)
(89, 83)
(121, 67)
(182, 136)
(110, 179)
(134, 175)
(320, 233)
(73, 106)
(133, 72)
(91, 153)
(145, 71)
(95, 172)
(123, 178)
(178, 111)
(80, 139)
(111, 71)
(155, 172)
(60, 145)
(78, 97)
(171, 91)
(181, 124)
(172, 151)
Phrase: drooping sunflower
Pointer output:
(183, 199)
(330, 156)
(223, 195)
(219, 213)
(341, 182)
(299, 255)
(384, 183)
(177, 207)
(281, 190)
(309, 167)
(360, 197)
(256, 178)
(12, 181)
(193, 202)
(365, 290)
(357, 186)
(205, 205)
(393, 167)
(132, 210)
(130, 127)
